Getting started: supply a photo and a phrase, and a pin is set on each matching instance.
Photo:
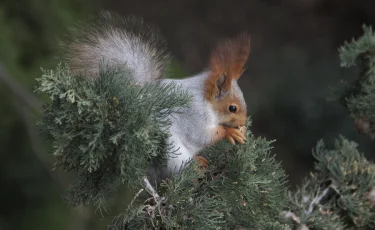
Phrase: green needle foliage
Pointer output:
(242, 186)
(105, 129)
(110, 132)
(340, 193)
(360, 97)
(336, 195)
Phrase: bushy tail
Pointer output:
(119, 42)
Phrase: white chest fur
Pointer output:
(191, 130)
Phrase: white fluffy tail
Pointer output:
(119, 42)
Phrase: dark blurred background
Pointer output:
(293, 61)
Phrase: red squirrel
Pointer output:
(217, 110)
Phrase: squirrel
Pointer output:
(217, 109)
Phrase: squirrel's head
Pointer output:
(221, 89)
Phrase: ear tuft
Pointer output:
(231, 56)
(226, 63)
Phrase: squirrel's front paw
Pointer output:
(202, 165)
(202, 162)
(236, 134)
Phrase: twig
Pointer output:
(313, 203)
(22, 94)
(296, 219)
(317, 200)
(131, 203)
(292, 216)
(150, 189)
(150, 209)
(136, 195)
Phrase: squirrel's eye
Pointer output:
(232, 108)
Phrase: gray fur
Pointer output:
(118, 42)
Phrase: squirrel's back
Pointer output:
(119, 42)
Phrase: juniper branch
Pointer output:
(316, 201)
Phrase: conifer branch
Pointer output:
(317, 199)
(150, 209)
(358, 97)
(293, 216)
(150, 189)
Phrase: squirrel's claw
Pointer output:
(233, 135)
(231, 140)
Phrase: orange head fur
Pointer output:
(221, 90)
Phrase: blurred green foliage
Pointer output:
(29, 30)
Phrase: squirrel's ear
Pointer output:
(231, 56)
(223, 85)
(241, 50)
(226, 63)
(217, 86)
